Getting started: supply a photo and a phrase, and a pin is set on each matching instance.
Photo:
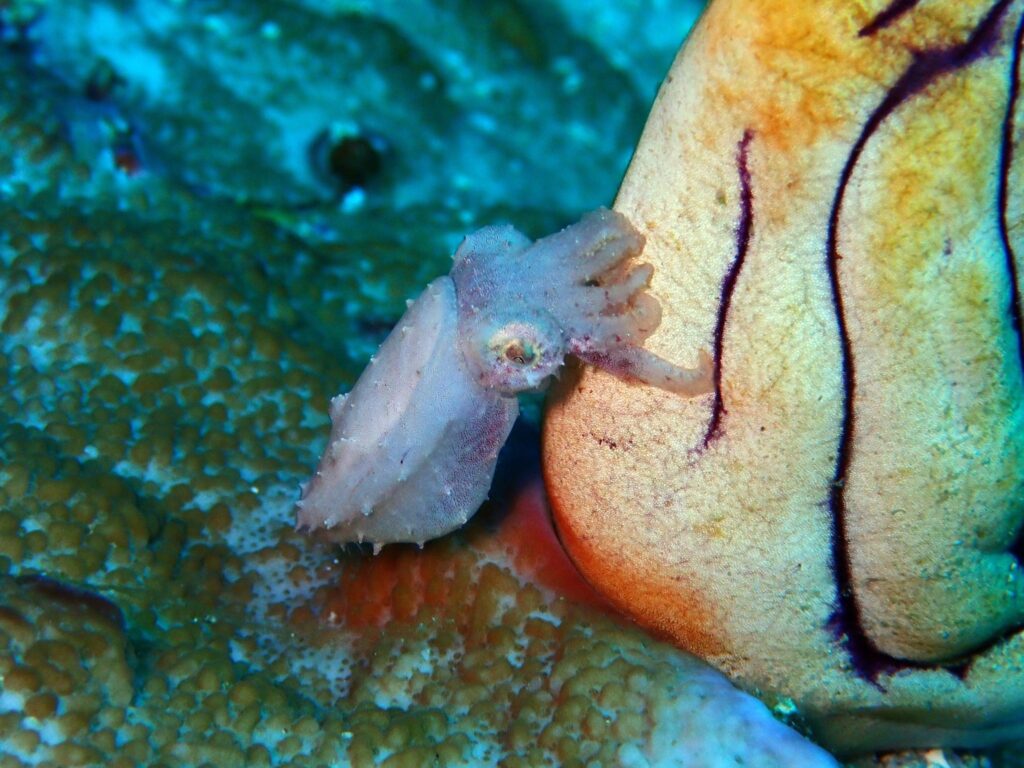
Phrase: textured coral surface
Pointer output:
(155, 418)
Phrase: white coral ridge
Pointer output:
(708, 723)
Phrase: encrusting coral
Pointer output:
(280, 79)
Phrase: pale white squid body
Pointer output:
(413, 447)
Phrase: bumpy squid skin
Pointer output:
(413, 446)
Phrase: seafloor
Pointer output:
(211, 211)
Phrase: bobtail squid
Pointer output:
(413, 446)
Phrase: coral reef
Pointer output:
(830, 195)
(166, 355)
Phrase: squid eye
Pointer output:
(517, 345)
(520, 352)
(516, 354)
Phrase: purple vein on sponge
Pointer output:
(927, 66)
(887, 16)
(1005, 164)
(744, 230)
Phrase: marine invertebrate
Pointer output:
(64, 658)
(412, 448)
(840, 523)
(478, 622)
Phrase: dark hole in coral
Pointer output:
(354, 160)
(102, 81)
(347, 160)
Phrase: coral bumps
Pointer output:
(157, 609)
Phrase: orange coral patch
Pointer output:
(404, 583)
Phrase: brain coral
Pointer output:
(166, 360)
